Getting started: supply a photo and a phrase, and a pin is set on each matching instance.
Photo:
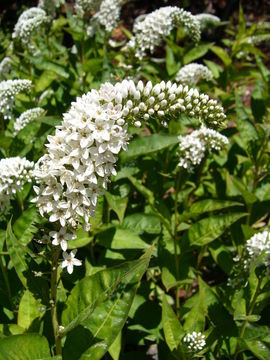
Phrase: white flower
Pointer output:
(8, 90)
(14, 173)
(28, 23)
(61, 237)
(151, 29)
(26, 117)
(84, 150)
(192, 73)
(207, 20)
(70, 261)
(258, 249)
(193, 147)
(195, 341)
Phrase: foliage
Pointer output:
(175, 263)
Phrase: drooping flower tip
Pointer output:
(194, 147)
(151, 29)
(28, 23)
(192, 73)
(26, 117)
(8, 90)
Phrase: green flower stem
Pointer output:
(252, 305)
(177, 188)
(55, 256)
(250, 311)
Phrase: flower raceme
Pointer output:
(83, 152)
(192, 73)
(26, 117)
(206, 20)
(154, 27)
(14, 173)
(8, 90)
(107, 13)
(29, 22)
(193, 147)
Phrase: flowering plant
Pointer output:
(134, 187)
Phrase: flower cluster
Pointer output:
(5, 66)
(50, 6)
(193, 147)
(84, 7)
(206, 20)
(83, 152)
(14, 173)
(29, 21)
(192, 73)
(26, 117)
(195, 341)
(107, 13)
(258, 249)
(8, 90)
(154, 27)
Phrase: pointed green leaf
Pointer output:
(103, 284)
(98, 308)
(28, 310)
(24, 347)
(24, 227)
(210, 228)
(172, 328)
(148, 144)
(17, 254)
(117, 204)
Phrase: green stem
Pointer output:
(5, 276)
(252, 305)
(177, 188)
(250, 311)
(55, 324)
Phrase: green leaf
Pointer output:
(208, 205)
(258, 348)
(215, 68)
(210, 228)
(148, 194)
(118, 238)
(148, 144)
(24, 347)
(103, 284)
(140, 223)
(171, 65)
(24, 227)
(28, 310)
(221, 54)
(17, 254)
(82, 239)
(196, 53)
(172, 328)
(248, 196)
(117, 204)
(115, 348)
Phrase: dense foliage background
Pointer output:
(168, 251)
